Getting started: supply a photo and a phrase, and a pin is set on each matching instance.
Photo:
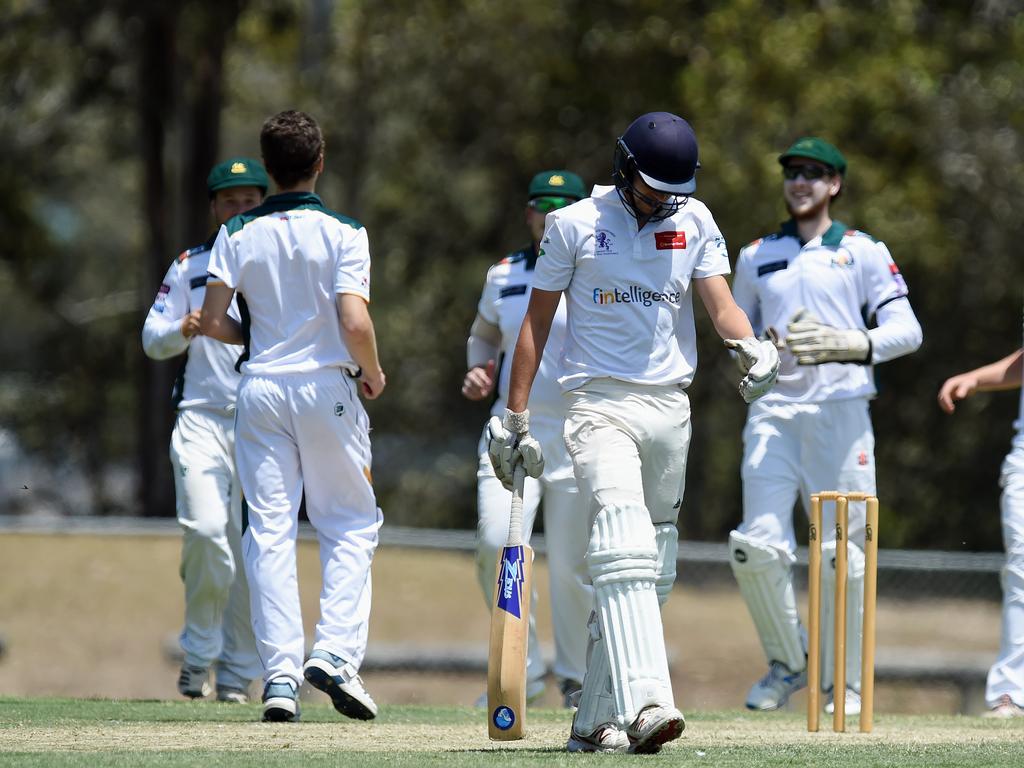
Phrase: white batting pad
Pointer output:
(622, 560)
(667, 539)
(766, 583)
(597, 703)
(854, 613)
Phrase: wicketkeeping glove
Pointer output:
(509, 442)
(812, 342)
(759, 360)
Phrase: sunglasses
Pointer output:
(548, 204)
(809, 172)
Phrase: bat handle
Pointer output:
(515, 519)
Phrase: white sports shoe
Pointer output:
(280, 701)
(232, 695)
(655, 725)
(607, 737)
(330, 674)
(774, 689)
(194, 682)
(534, 690)
(1005, 708)
(852, 703)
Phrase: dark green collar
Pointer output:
(831, 238)
(288, 200)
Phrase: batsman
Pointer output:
(628, 260)
(838, 302)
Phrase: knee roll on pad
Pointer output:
(765, 580)
(622, 559)
(854, 613)
(666, 537)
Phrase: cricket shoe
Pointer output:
(232, 695)
(280, 701)
(194, 682)
(654, 726)
(534, 690)
(852, 703)
(607, 737)
(571, 693)
(338, 679)
(1005, 708)
(774, 689)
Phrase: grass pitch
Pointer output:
(70, 732)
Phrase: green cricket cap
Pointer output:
(237, 172)
(557, 184)
(814, 148)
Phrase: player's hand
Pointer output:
(759, 360)
(812, 342)
(509, 443)
(190, 323)
(956, 388)
(372, 384)
(479, 381)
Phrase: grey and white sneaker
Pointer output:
(280, 700)
(852, 703)
(571, 692)
(232, 695)
(607, 737)
(339, 680)
(774, 689)
(655, 725)
(1005, 708)
(194, 682)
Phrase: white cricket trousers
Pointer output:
(306, 432)
(628, 444)
(217, 627)
(566, 532)
(1007, 675)
(791, 450)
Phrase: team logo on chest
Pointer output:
(604, 243)
(842, 259)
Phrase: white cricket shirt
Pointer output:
(208, 378)
(628, 293)
(844, 277)
(288, 258)
(503, 303)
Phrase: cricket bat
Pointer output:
(510, 621)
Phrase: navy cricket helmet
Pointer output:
(660, 148)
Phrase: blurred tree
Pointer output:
(437, 113)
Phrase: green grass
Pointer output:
(67, 732)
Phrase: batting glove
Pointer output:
(812, 342)
(509, 442)
(759, 360)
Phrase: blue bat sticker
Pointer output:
(510, 581)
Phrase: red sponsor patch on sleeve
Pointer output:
(893, 268)
(667, 241)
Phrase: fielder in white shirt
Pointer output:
(628, 260)
(815, 285)
(218, 630)
(566, 525)
(1004, 692)
(304, 274)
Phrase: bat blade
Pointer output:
(506, 658)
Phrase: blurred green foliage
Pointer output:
(438, 112)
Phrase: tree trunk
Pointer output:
(155, 104)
